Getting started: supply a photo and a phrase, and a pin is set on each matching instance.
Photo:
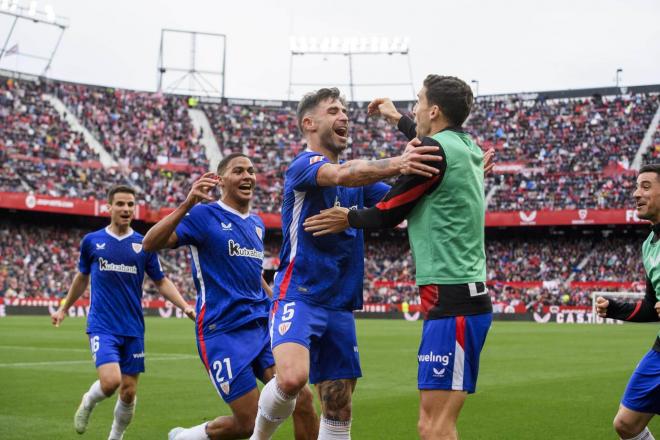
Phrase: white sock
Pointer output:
(334, 430)
(274, 408)
(195, 433)
(644, 435)
(123, 416)
(94, 395)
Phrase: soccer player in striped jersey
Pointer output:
(446, 214)
(641, 400)
(319, 281)
(226, 246)
(116, 262)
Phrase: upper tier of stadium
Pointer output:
(567, 150)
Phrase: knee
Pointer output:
(424, 428)
(109, 384)
(626, 428)
(291, 382)
(127, 394)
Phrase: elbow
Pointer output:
(148, 244)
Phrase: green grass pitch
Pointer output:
(536, 381)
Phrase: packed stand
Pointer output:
(653, 153)
(42, 261)
(566, 147)
(39, 151)
(562, 191)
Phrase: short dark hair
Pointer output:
(312, 99)
(222, 166)
(651, 168)
(119, 189)
(452, 95)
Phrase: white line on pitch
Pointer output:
(88, 361)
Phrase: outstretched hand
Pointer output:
(601, 306)
(201, 189)
(413, 156)
(328, 221)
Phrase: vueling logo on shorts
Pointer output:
(235, 250)
(440, 358)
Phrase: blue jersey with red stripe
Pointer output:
(227, 252)
(117, 265)
(326, 271)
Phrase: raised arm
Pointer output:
(78, 287)
(390, 211)
(162, 235)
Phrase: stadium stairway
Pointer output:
(201, 124)
(648, 139)
(106, 158)
(489, 196)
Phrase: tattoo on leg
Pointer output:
(336, 399)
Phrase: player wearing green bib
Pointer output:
(446, 216)
(641, 400)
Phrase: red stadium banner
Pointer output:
(92, 207)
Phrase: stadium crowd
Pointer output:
(38, 261)
(565, 150)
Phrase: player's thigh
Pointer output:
(335, 354)
(440, 408)
(244, 409)
(641, 398)
(131, 351)
(449, 352)
(110, 377)
(229, 359)
(294, 325)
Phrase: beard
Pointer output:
(328, 141)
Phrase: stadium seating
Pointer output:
(565, 150)
(41, 261)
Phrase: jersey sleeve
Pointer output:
(642, 311)
(190, 230)
(302, 172)
(153, 267)
(408, 127)
(374, 193)
(402, 197)
(85, 260)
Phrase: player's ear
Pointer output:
(308, 123)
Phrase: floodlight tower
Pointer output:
(349, 47)
(32, 15)
(201, 81)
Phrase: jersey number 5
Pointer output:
(287, 313)
(217, 366)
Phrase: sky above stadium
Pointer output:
(507, 45)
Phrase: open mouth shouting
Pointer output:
(342, 133)
(246, 188)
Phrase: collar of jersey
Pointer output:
(232, 210)
(118, 237)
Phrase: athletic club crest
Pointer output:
(284, 327)
(137, 247)
(259, 233)
(225, 387)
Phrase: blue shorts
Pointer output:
(329, 335)
(449, 353)
(235, 360)
(643, 390)
(127, 351)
